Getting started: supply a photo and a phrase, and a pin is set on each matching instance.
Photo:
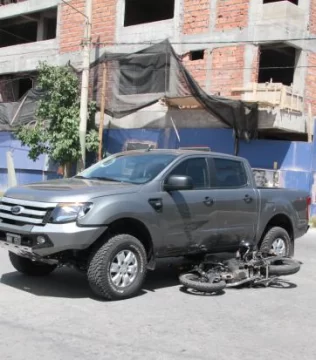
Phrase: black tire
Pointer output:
(272, 235)
(283, 267)
(31, 268)
(99, 275)
(191, 281)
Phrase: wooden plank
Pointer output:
(101, 121)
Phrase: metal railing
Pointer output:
(272, 94)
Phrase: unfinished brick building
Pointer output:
(256, 50)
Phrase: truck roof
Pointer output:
(181, 152)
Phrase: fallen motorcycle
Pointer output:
(249, 267)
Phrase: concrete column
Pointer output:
(301, 63)
(250, 55)
(208, 64)
(40, 29)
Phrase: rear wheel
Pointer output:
(29, 267)
(276, 242)
(196, 282)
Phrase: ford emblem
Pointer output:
(16, 210)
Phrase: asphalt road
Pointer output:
(57, 318)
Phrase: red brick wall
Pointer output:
(310, 85)
(196, 16)
(197, 68)
(231, 14)
(72, 24)
(227, 69)
(312, 19)
(104, 21)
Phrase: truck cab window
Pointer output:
(229, 173)
(196, 169)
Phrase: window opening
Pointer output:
(146, 11)
(277, 63)
(24, 29)
(272, 1)
(197, 55)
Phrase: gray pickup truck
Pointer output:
(113, 220)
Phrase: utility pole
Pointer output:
(85, 84)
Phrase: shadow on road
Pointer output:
(197, 293)
(69, 283)
(283, 284)
(278, 284)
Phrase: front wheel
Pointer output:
(283, 267)
(117, 269)
(195, 282)
(29, 267)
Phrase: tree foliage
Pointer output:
(56, 131)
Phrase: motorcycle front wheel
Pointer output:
(283, 267)
(198, 283)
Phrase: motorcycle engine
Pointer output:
(236, 272)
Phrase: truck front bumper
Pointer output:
(58, 237)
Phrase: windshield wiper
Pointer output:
(102, 178)
(96, 178)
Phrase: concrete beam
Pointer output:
(18, 58)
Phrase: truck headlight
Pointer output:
(65, 213)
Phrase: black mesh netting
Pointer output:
(137, 80)
(140, 79)
(21, 112)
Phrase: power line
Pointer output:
(74, 8)
(195, 42)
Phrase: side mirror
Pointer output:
(178, 182)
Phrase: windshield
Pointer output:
(137, 169)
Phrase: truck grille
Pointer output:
(22, 212)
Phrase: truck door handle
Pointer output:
(208, 201)
(247, 198)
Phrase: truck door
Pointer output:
(188, 217)
(235, 202)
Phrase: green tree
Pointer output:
(56, 130)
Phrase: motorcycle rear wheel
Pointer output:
(194, 281)
(283, 267)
